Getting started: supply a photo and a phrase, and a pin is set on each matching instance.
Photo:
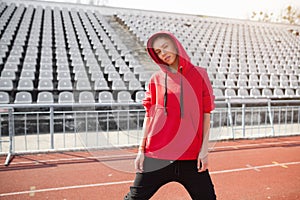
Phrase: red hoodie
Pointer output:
(176, 103)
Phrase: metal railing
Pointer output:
(56, 127)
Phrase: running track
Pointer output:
(241, 170)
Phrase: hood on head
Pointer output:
(184, 59)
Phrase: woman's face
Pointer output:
(166, 50)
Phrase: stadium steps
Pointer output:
(132, 43)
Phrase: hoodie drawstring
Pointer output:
(166, 94)
(181, 94)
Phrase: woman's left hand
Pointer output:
(202, 163)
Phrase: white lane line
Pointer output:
(255, 145)
(65, 188)
(130, 181)
(254, 168)
(257, 167)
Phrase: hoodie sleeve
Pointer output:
(149, 99)
(208, 96)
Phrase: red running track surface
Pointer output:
(241, 170)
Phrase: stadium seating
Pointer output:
(66, 97)
(4, 98)
(254, 92)
(25, 85)
(124, 97)
(11, 75)
(6, 85)
(139, 96)
(86, 97)
(101, 84)
(23, 98)
(61, 55)
(45, 98)
(64, 84)
(106, 97)
(45, 84)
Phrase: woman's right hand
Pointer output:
(139, 162)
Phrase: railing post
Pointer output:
(230, 117)
(11, 135)
(243, 120)
(271, 117)
(52, 126)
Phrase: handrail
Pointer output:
(58, 105)
(234, 100)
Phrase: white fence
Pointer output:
(42, 128)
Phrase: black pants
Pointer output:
(159, 172)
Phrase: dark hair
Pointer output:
(162, 35)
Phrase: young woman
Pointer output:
(176, 127)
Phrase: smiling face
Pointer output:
(166, 50)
